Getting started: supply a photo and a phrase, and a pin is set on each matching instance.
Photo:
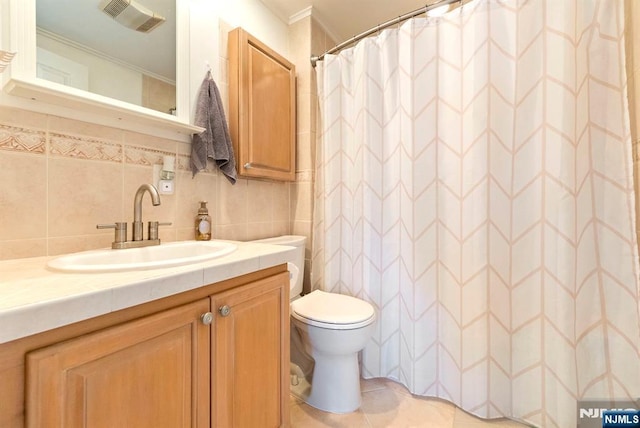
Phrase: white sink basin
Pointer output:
(158, 256)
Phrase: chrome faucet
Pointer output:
(137, 208)
(138, 226)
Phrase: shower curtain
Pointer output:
(474, 183)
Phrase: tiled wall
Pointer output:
(61, 177)
(306, 37)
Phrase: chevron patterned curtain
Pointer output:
(474, 183)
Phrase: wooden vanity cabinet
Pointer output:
(248, 340)
(151, 372)
(158, 364)
(262, 109)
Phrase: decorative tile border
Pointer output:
(84, 148)
(144, 156)
(22, 140)
(183, 161)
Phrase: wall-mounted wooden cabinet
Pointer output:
(262, 109)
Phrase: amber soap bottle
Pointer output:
(203, 223)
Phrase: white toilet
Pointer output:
(328, 330)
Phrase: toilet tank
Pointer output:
(292, 241)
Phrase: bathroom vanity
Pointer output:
(190, 346)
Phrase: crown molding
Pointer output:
(316, 16)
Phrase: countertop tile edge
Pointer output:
(91, 301)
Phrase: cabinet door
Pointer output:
(262, 109)
(151, 372)
(250, 348)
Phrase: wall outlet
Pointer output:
(165, 187)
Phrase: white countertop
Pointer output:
(34, 299)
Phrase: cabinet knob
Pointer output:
(224, 310)
(207, 318)
(248, 165)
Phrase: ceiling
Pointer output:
(346, 18)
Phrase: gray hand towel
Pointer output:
(214, 143)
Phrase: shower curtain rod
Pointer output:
(390, 23)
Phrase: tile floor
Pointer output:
(387, 404)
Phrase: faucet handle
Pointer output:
(120, 230)
(153, 228)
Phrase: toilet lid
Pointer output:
(332, 308)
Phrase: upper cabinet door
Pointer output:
(262, 116)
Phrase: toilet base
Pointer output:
(335, 387)
(334, 348)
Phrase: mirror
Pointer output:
(59, 95)
(123, 50)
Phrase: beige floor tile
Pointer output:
(465, 420)
(305, 416)
(367, 385)
(386, 408)
(398, 387)
(388, 404)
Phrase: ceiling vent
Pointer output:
(131, 14)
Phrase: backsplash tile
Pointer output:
(135, 139)
(23, 248)
(259, 201)
(189, 192)
(234, 232)
(22, 118)
(280, 228)
(182, 163)
(77, 175)
(82, 194)
(72, 244)
(23, 200)
(84, 148)
(144, 156)
(232, 208)
(22, 140)
(66, 126)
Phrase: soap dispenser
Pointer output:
(203, 223)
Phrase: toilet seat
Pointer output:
(332, 311)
